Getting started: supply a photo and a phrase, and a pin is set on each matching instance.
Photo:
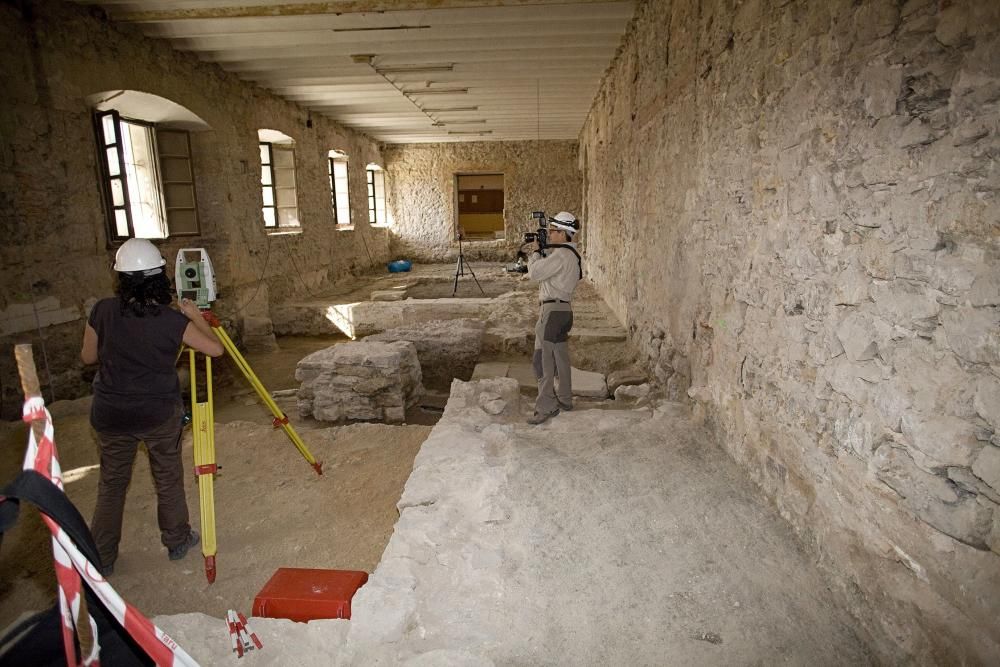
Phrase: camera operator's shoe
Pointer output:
(179, 552)
(565, 407)
(539, 418)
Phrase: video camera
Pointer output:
(541, 235)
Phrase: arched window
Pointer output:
(277, 180)
(144, 151)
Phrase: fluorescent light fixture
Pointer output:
(437, 91)
(388, 27)
(449, 109)
(458, 122)
(477, 132)
(406, 69)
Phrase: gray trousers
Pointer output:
(551, 356)
(163, 443)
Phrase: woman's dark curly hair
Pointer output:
(143, 295)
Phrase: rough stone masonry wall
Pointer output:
(538, 176)
(55, 257)
(795, 208)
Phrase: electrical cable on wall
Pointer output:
(370, 258)
(38, 327)
(291, 258)
(263, 272)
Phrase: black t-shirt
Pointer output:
(136, 386)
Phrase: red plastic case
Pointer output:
(300, 594)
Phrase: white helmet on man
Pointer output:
(565, 222)
(138, 255)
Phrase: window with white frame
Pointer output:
(376, 194)
(148, 178)
(340, 198)
(277, 180)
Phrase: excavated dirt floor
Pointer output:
(272, 510)
(573, 529)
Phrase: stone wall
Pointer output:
(794, 207)
(56, 259)
(538, 175)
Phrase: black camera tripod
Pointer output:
(461, 265)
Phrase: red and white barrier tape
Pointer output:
(71, 564)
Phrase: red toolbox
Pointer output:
(300, 594)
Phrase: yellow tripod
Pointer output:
(203, 429)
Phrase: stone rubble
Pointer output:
(365, 381)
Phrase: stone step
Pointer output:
(585, 383)
(598, 335)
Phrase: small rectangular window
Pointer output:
(280, 202)
(376, 196)
(339, 196)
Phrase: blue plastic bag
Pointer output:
(400, 266)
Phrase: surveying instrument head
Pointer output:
(195, 277)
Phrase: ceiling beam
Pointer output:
(319, 8)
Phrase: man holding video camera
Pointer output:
(554, 263)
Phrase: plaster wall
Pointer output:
(538, 175)
(794, 207)
(56, 257)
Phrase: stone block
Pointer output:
(334, 386)
(987, 466)
(985, 290)
(947, 440)
(490, 369)
(446, 349)
(628, 376)
(933, 499)
(851, 379)
(987, 400)
(973, 333)
(966, 480)
(588, 384)
(631, 392)
(906, 304)
(388, 295)
(862, 334)
(258, 334)
(44, 312)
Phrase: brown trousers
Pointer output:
(163, 443)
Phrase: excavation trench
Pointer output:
(272, 510)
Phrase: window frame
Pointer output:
(272, 186)
(117, 144)
(331, 170)
(373, 207)
(111, 209)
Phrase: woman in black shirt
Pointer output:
(135, 338)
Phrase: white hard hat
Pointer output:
(138, 255)
(566, 222)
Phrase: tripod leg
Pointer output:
(203, 436)
(477, 280)
(458, 272)
(280, 419)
